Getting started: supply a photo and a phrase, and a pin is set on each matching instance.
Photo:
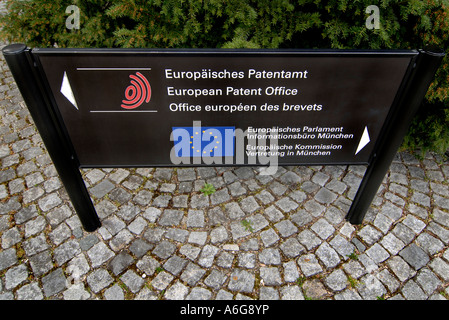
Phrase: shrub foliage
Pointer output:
(306, 24)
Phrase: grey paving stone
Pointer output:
(371, 288)
(314, 289)
(400, 268)
(15, 276)
(342, 246)
(175, 265)
(244, 173)
(128, 212)
(325, 196)
(239, 231)
(215, 279)
(162, 201)
(270, 256)
(270, 276)
(192, 274)
(273, 214)
(10, 238)
(291, 248)
(314, 208)
(99, 254)
(327, 255)
(249, 204)
(392, 243)
(199, 201)
(26, 214)
(66, 251)
(162, 280)
(177, 291)
(180, 201)
(309, 239)
(30, 292)
(99, 279)
(114, 292)
(151, 214)
(258, 222)
(413, 223)
(121, 240)
(198, 293)
(301, 218)
(132, 281)
(219, 235)
(171, 217)
(337, 280)
(430, 244)
(309, 265)
(35, 245)
(220, 196)
(404, 233)
(101, 189)
(177, 234)
(40, 263)
(164, 249)
(377, 253)
(120, 262)
(225, 260)
(291, 293)
(412, 291)
(291, 273)
(286, 228)
(415, 256)
(286, 204)
(163, 174)
(236, 189)
(323, 229)
(148, 265)
(269, 293)
(241, 281)
(120, 195)
(207, 256)
(441, 217)
(440, 267)
(269, 237)
(247, 260)
(195, 219)
(428, 281)
(49, 202)
(54, 282)
(369, 234)
(198, 237)
(187, 174)
(114, 224)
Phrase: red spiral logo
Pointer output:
(137, 92)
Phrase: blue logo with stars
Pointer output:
(203, 142)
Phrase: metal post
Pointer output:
(401, 115)
(29, 82)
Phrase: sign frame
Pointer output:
(27, 70)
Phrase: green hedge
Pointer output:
(303, 24)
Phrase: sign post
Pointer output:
(30, 83)
(135, 108)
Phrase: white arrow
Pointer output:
(363, 141)
(66, 90)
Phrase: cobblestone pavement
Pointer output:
(256, 237)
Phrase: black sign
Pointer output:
(145, 108)
(108, 108)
